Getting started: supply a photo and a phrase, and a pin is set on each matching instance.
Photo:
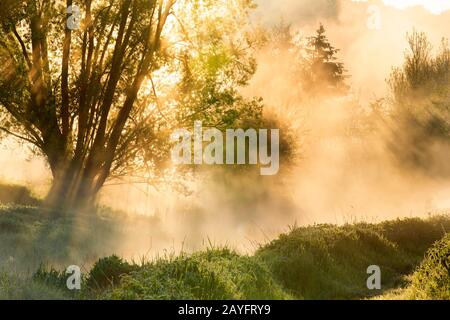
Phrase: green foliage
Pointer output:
(314, 71)
(51, 277)
(432, 279)
(317, 262)
(324, 74)
(214, 274)
(15, 286)
(108, 272)
(217, 67)
(128, 86)
(32, 236)
(420, 114)
(329, 262)
(415, 236)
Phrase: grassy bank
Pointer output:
(316, 262)
(431, 281)
(329, 262)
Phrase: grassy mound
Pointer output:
(213, 274)
(316, 262)
(329, 262)
(432, 279)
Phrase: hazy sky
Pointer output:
(370, 33)
(434, 6)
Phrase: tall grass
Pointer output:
(432, 279)
(213, 274)
(329, 262)
(316, 262)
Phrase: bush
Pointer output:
(419, 112)
(214, 274)
(432, 279)
(108, 272)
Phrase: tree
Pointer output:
(323, 74)
(213, 71)
(76, 95)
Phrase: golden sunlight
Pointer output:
(434, 6)
(224, 149)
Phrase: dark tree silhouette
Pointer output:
(71, 93)
(76, 95)
(324, 73)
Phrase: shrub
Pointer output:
(108, 272)
(214, 274)
(432, 279)
(14, 286)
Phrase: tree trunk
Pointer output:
(72, 189)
